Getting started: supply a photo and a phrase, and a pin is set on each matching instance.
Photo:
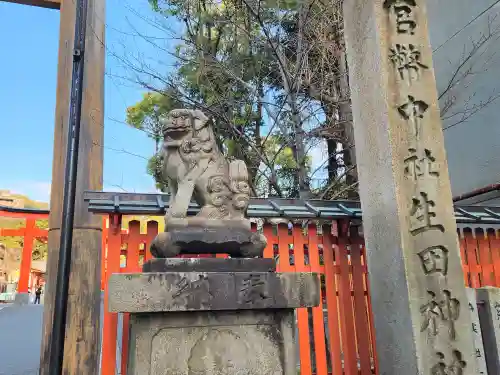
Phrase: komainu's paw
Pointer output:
(163, 247)
(255, 248)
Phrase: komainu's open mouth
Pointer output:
(175, 134)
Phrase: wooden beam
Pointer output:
(81, 351)
(52, 4)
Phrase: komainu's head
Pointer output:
(180, 123)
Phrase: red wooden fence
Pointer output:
(336, 337)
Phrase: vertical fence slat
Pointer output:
(346, 310)
(271, 240)
(317, 312)
(485, 258)
(360, 313)
(152, 232)
(463, 256)
(471, 254)
(104, 251)
(331, 301)
(110, 320)
(134, 241)
(302, 313)
(369, 310)
(125, 340)
(495, 254)
(132, 265)
(284, 240)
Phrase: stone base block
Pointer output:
(204, 343)
(211, 291)
(212, 316)
(22, 299)
(208, 237)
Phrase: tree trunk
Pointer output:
(333, 165)
(345, 116)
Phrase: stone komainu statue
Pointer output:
(194, 167)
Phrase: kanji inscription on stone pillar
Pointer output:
(419, 300)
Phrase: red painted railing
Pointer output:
(336, 337)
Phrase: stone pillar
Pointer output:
(476, 332)
(237, 316)
(416, 278)
(489, 314)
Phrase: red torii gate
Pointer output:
(29, 232)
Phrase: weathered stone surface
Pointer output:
(231, 239)
(238, 323)
(476, 332)
(196, 343)
(416, 277)
(209, 265)
(488, 299)
(191, 291)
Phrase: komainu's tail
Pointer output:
(238, 177)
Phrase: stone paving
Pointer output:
(20, 337)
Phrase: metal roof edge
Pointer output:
(25, 210)
(157, 204)
(154, 204)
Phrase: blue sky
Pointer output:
(28, 94)
(28, 70)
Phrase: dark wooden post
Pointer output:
(53, 4)
(82, 332)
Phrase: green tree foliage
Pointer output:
(146, 114)
(255, 69)
(155, 169)
(271, 70)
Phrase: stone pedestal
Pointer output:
(199, 316)
(196, 235)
